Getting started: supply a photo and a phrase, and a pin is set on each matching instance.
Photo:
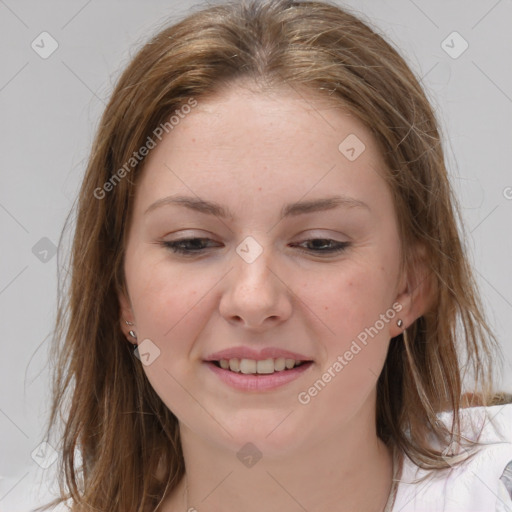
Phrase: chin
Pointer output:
(274, 433)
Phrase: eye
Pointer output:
(193, 246)
(325, 246)
(186, 247)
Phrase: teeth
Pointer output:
(266, 366)
(280, 364)
(247, 366)
(234, 365)
(290, 363)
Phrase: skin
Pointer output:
(254, 152)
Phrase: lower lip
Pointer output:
(260, 382)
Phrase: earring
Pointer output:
(132, 334)
(128, 323)
(399, 322)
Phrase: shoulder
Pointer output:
(481, 483)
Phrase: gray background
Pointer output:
(51, 107)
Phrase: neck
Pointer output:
(345, 472)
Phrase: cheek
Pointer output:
(357, 309)
(352, 307)
(353, 300)
(166, 297)
(170, 305)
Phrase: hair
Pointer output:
(121, 447)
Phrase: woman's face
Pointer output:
(268, 185)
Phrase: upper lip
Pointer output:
(257, 355)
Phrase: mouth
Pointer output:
(258, 367)
(262, 375)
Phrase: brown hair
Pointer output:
(127, 439)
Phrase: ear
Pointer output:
(126, 314)
(417, 290)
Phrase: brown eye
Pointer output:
(325, 246)
(187, 246)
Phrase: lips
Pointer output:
(256, 355)
(247, 368)
(258, 382)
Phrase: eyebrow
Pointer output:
(289, 210)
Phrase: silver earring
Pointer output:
(128, 323)
(132, 334)
(399, 322)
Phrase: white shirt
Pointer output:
(480, 484)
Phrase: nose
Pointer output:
(256, 296)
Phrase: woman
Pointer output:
(269, 295)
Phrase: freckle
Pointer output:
(326, 308)
(259, 188)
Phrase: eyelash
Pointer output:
(176, 246)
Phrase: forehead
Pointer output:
(282, 142)
(297, 111)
